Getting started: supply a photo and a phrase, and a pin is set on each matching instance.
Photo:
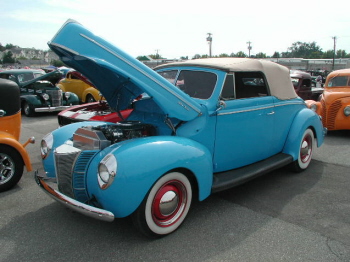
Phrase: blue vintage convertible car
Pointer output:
(206, 125)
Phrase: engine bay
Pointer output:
(99, 137)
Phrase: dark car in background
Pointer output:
(37, 91)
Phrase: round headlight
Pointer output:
(313, 107)
(347, 111)
(46, 145)
(45, 96)
(107, 170)
(67, 94)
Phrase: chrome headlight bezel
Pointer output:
(45, 96)
(67, 95)
(46, 145)
(107, 170)
(347, 111)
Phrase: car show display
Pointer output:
(13, 155)
(37, 91)
(334, 103)
(205, 126)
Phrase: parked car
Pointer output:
(206, 126)
(78, 84)
(38, 94)
(302, 83)
(13, 155)
(95, 111)
(334, 103)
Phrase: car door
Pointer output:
(74, 85)
(244, 130)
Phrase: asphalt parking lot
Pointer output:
(281, 216)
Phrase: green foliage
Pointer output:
(57, 63)
(8, 58)
(238, 54)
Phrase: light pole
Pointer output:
(334, 39)
(249, 48)
(209, 40)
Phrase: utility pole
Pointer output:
(334, 41)
(249, 48)
(209, 40)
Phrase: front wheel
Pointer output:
(305, 151)
(165, 207)
(11, 167)
(27, 110)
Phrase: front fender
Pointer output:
(306, 118)
(32, 100)
(141, 162)
(5, 139)
(72, 100)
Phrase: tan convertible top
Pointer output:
(277, 76)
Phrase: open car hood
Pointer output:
(52, 77)
(119, 77)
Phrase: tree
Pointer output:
(304, 50)
(10, 46)
(156, 56)
(239, 54)
(224, 55)
(57, 63)
(340, 53)
(276, 55)
(260, 55)
(8, 58)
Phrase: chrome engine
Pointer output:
(100, 137)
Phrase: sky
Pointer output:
(179, 28)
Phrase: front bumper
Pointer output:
(71, 203)
(51, 108)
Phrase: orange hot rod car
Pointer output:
(13, 155)
(334, 103)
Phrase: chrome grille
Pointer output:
(79, 175)
(56, 97)
(64, 169)
(332, 113)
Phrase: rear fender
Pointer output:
(306, 118)
(141, 162)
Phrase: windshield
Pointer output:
(197, 84)
(24, 77)
(295, 81)
(338, 81)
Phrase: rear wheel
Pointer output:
(305, 151)
(90, 99)
(165, 207)
(11, 167)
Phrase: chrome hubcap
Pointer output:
(168, 203)
(7, 168)
(306, 149)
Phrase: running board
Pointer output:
(235, 177)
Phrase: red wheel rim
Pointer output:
(306, 149)
(169, 203)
